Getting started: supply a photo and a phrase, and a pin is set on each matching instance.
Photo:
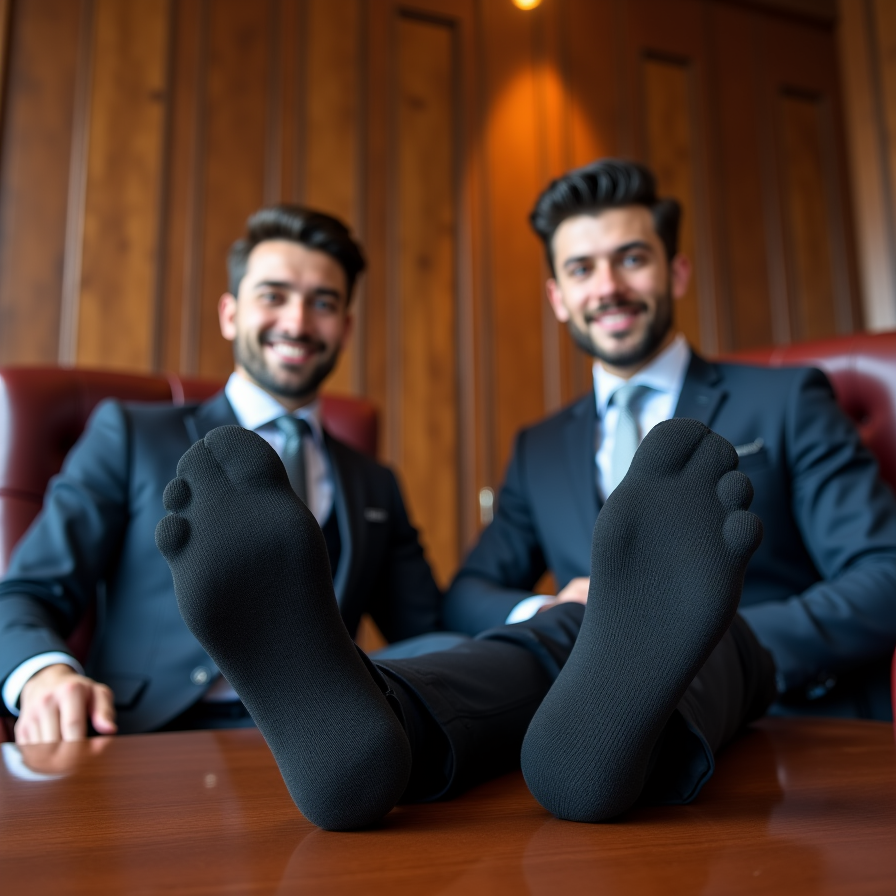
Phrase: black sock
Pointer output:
(253, 584)
(668, 556)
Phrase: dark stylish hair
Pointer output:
(604, 184)
(312, 229)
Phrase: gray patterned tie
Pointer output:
(628, 435)
(295, 433)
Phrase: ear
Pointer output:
(680, 273)
(555, 299)
(227, 316)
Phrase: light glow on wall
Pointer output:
(526, 4)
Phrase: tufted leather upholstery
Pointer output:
(43, 411)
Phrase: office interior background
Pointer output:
(135, 138)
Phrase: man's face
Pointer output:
(289, 321)
(614, 287)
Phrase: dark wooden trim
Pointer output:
(194, 230)
(77, 190)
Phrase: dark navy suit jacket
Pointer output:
(94, 536)
(820, 592)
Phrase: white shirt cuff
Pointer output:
(527, 608)
(17, 679)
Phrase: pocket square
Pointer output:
(749, 448)
(375, 514)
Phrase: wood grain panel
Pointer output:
(237, 81)
(333, 135)
(182, 258)
(884, 30)
(743, 237)
(515, 289)
(117, 313)
(802, 62)
(427, 261)
(669, 126)
(866, 86)
(34, 176)
(810, 278)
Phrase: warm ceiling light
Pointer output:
(526, 4)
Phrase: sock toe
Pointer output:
(172, 535)
(742, 532)
(176, 496)
(244, 456)
(735, 491)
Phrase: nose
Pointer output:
(291, 320)
(605, 279)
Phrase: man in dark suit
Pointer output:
(820, 592)
(287, 315)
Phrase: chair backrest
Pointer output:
(862, 370)
(43, 411)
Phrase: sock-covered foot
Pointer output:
(669, 551)
(253, 584)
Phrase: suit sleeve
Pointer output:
(506, 562)
(847, 518)
(55, 569)
(406, 601)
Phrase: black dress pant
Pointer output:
(466, 709)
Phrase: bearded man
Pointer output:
(820, 591)
(288, 316)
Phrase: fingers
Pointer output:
(56, 704)
(576, 590)
(102, 715)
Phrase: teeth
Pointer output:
(293, 352)
(619, 318)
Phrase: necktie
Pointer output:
(295, 432)
(628, 435)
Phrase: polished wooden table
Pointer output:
(796, 807)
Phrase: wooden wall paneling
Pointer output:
(119, 265)
(550, 61)
(427, 263)
(515, 289)
(595, 78)
(747, 320)
(862, 28)
(883, 21)
(181, 262)
(287, 109)
(5, 8)
(801, 64)
(813, 305)
(236, 98)
(333, 61)
(668, 55)
(35, 157)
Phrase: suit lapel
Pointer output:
(702, 393)
(578, 439)
(209, 415)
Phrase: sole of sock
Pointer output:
(669, 551)
(253, 584)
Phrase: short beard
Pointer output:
(264, 378)
(652, 340)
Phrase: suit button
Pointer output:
(199, 675)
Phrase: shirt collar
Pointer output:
(665, 373)
(254, 408)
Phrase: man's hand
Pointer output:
(576, 590)
(56, 703)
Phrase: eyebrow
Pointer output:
(618, 250)
(288, 285)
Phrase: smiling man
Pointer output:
(287, 313)
(820, 591)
